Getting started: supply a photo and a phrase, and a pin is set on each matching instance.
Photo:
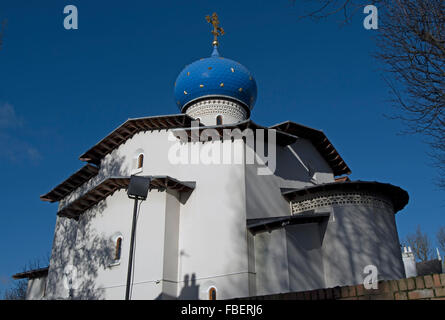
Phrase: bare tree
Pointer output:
(440, 237)
(420, 243)
(17, 291)
(321, 9)
(411, 44)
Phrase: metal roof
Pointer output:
(107, 187)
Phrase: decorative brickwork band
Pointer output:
(339, 199)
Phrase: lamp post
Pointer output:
(137, 190)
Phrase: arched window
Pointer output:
(219, 120)
(212, 293)
(140, 161)
(117, 253)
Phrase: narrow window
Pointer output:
(117, 253)
(140, 161)
(212, 293)
(219, 120)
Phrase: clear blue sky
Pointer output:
(62, 91)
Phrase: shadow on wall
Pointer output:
(292, 167)
(80, 252)
(363, 236)
(358, 235)
(190, 290)
(301, 162)
(237, 265)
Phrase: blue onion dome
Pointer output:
(215, 77)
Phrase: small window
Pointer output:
(140, 161)
(212, 293)
(117, 253)
(219, 120)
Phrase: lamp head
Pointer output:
(138, 187)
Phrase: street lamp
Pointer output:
(137, 190)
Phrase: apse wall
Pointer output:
(357, 235)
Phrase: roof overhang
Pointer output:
(287, 133)
(269, 224)
(129, 128)
(321, 143)
(397, 195)
(72, 183)
(32, 274)
(107, 187)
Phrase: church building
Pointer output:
(234, 208)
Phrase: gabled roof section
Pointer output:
(72, 183)
(111, 185)
(321, 143)
(129, 128)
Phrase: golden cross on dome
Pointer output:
(217, 31)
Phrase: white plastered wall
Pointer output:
(210, 225)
